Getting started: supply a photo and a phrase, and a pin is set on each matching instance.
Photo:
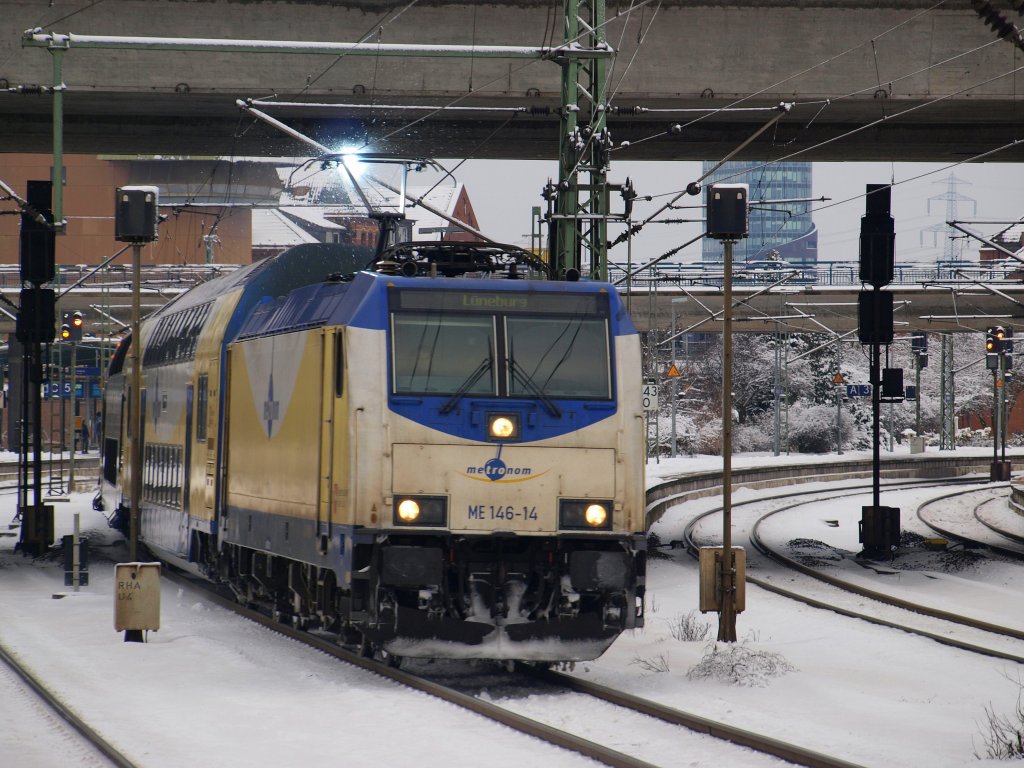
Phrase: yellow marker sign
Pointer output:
(838, 379)
(672, 372)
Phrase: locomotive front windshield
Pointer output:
(436, 354)
(500, 344)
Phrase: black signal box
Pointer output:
(874, 315)
(37, 323)
(892, 385)
(879, 530)
(135, 214)
(877, 237)
(727, 211)
(37, 242)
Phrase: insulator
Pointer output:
(994, 19)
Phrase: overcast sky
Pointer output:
(503, 192)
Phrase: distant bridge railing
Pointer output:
(176, 278)
(825, 273)
(159, 277)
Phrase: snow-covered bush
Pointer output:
(757, 435)
(812, 428)
(739, 664)
(1003, 736)
(656, 664)
(689, 628)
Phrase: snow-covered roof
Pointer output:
(271, 227)
(1012, 237)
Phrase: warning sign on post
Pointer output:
(137, 596)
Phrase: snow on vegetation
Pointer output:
(808, 417)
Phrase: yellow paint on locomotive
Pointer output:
(273, 461)
(203, 469)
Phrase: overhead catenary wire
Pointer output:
(512, 70)
(822, 104)
(632, 230)
(822, 63)
(858, 129)
(972, 159)
(326, 151)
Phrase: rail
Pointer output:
(709, 483)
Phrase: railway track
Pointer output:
(949, 628)
(623, 705)
(53, 720)
(580, 738)
(983, 532)
(556, 684)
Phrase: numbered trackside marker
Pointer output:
(650, 397)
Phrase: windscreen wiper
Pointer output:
(471, 380)
(531, 386)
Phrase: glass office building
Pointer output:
(778, 230)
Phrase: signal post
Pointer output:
(999, 360)
(35, 328)
(71, 332)
(722, 572)
(879, 525)
(135, 222)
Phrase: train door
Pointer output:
(325, 501)
(209, 408)
(187, 455)
(333, 506)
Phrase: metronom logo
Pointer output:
(496, 471)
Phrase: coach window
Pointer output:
(201, 398)
(339, 365)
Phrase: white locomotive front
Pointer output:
(511, 472)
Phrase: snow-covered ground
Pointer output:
(209, 688)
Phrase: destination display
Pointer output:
(582, 304)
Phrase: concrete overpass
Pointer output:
(914, 83)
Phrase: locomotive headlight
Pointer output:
(595, 515)
(585, 514)
(503, 426)
(408, 510)
(421, 510)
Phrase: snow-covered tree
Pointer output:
(811, 362)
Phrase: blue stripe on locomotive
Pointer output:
(363, 303)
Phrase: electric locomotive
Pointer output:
(438, 457)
